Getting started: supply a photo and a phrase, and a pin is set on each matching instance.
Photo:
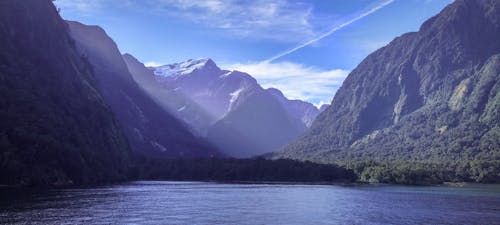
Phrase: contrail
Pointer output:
(361, 16)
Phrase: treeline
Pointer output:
(262, 170)
(232, 170)
(426, 173)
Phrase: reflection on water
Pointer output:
(148, 202)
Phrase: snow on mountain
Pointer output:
(256, 120)
(217, 89)
(205, 83)
(184, 68)
(179, 105)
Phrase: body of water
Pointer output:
(153, 202)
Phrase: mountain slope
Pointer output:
(255, 124)
(149, 128)
(428, 95)
(54, 125)
(173, 101)
(248, 120)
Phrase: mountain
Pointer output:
(244, 119)
(176, 103)
(150, 129)
(255, 124)
(55, 127)
(299, 110)
(431, 95)
(323, 107)
(205, 83)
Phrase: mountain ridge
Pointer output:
(150, 129)
(418, 98)
(56, 128)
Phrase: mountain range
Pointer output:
(74, 110)
(229, 108)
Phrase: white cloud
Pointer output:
(153, 64)
(281, 20)
(296, 81)
(321, 103)
(210, 5)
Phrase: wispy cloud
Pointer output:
(282, 20)
(153, 64)
(296, 81)
(279, 20)
(333, 30)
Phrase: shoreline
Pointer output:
(312, 183)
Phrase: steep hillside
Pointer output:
(54, 125)
(149, 128)
(431, 95)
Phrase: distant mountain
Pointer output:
(256, 123)
(299, 110)
(244, 119)
(431, 95)
(150, 129)
(171, 100)
(205, 83)
(55, 127)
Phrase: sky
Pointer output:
(305, 48)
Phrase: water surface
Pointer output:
(152, 202)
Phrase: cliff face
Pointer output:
(150, 129)
(432, 94)
(55, 127)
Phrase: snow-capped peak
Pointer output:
(184, 68)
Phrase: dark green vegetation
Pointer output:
(54, 124)
(426, 173)
(247, 170)
(428, 104)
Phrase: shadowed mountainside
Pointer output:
(55, 127)
(149, 128)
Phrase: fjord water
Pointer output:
(149, 202)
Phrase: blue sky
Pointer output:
(243, 34)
